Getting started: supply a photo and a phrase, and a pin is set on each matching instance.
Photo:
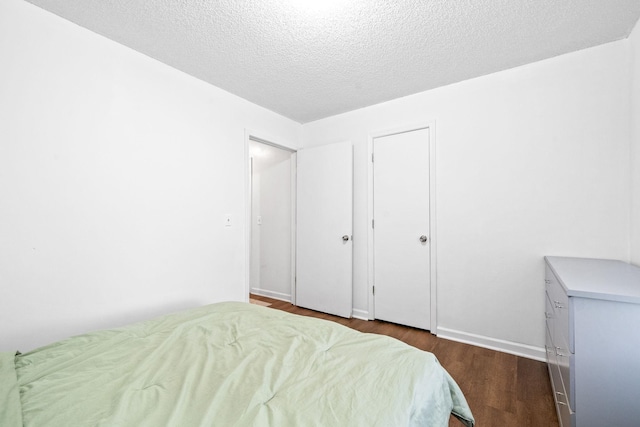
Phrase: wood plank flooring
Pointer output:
(501, 389)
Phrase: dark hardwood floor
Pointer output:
(501, 389)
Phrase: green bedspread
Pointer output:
(228, 364)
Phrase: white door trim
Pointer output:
(294, 222)
(432, 214)
(260, 137)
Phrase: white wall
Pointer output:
(531, 161)
(116, 172)
(634, 49)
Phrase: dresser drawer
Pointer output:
(566, 415)
(559, 302)
(549, 313)
(561, 401)
(556, 323)
(565, 361)
(560, 368)
(550, 349)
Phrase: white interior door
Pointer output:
(401, 228)
(324, 229)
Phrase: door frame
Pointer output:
(430, 126)
(260, 137)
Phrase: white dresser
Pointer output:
(593, 341)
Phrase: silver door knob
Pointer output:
(345, 238)
(423, 238)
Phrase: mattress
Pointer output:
(228, 364)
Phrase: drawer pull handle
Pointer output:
(562, 401)
(548, 315)
(547, 281)
(558, 352)
(558, 304)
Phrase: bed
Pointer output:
(228, 364)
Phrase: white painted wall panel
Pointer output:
(116, 172)
(634, 50)
(530, 161)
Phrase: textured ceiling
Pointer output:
(311, 61)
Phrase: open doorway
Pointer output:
(272, 220)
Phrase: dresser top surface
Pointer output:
(597, 278)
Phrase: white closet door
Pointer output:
(324, 229)
(401, 228)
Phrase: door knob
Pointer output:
(345, 238)
(423, 238)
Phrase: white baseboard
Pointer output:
(271, 294)
(360, 314)
(524, 350)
